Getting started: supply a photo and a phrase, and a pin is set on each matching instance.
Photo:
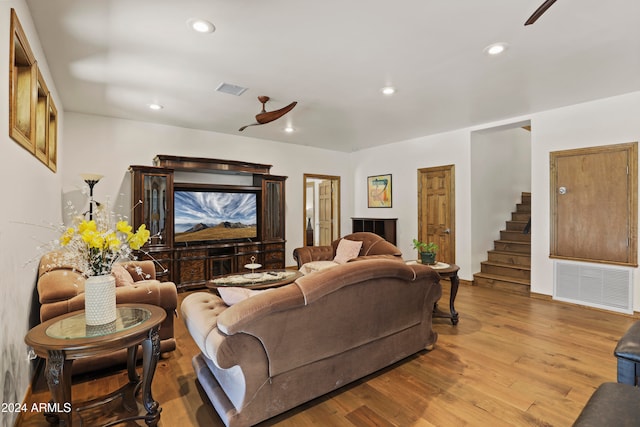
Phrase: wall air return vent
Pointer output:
(600, 286)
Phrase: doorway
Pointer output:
(436, 210)
(321, 209)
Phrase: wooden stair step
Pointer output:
(508, 284)
(523, 208)
(515, 236)
(520, 216)
(516, 225)
(507, 270)
(507, 257)
(526, 198)
(511, 246)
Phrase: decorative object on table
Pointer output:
(440, 265)
(379, 191)
(100, 299)
(253, 267)
(309, 231)
(242, 279)
(427, 251)
(94, 246)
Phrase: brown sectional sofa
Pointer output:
(373, 246)
(288, 345)
(61, 290)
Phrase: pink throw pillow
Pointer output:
(347, 250)
(123, 277)
(233, 295)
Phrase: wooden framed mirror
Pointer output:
(22, 88)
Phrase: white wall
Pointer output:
(31, 202)
(500, 172)
(402, 160)
(108, 146)
(604, 122)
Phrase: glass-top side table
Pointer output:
(75, 326)
(65, 338)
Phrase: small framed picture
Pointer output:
(379, 191)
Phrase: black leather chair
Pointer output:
(628, 354)
(611, 405)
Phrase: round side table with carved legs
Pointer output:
(65, 338)
(451, 273)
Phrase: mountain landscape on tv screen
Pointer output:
(209, 216)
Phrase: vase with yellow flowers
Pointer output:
(95, 245)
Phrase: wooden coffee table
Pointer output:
(257, 280)
(65, 338)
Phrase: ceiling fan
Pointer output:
(269, 116)
(539, 11)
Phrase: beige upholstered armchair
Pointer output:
(373, 246)
(61, 290)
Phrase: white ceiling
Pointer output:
(114, 57)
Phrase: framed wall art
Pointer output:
(379, 191)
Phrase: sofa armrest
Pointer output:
(59, 285)
(307, 254)
(162, 294)
(201, 312)
(247, 312)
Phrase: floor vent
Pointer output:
(606, 287)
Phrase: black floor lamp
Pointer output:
(91, 179)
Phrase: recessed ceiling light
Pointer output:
(388, 90)
(289, 129)
(201, 25)
(495, 49)
(155, 107)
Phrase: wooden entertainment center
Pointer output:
(191, 265)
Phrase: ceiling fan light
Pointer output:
(201, 25)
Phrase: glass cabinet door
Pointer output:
(273, 212)
(155, 207)
(152, 202)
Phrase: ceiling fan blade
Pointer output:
(246, 126)
(269, 116)
(539, 11)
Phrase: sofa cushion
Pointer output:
(233, 294)
(347, 250)
(313, 266)
(122, 275)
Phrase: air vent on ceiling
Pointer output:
(231, 89)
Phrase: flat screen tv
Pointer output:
(204, 215)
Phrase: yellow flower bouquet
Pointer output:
(97, 244)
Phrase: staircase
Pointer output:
(508, 267)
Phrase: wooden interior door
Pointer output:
(325, 212)
(436, 210)
(594, 204)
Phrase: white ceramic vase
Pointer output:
(100, 299)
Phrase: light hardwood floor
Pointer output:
(511, 361)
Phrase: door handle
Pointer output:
(447, 231)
